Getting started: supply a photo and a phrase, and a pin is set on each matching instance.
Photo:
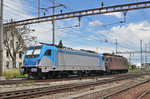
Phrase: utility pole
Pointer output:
(53, 22)
(116, 46)
(130, 57)
(38, 8)
(1, 37)
(141, 51)
(145, 55)
(53, 19)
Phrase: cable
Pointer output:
(108, 24)
(26, 7)
(144, 14)
(104, 41)
(15, 10)
(71, 9)
(13, 13)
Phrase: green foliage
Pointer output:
(12, 73)
(129, 65)
(26, 82)
(60, 43)
(33, 38)
(138, 70)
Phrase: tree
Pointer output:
(17, 39)
(60, 43)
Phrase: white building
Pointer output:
(7, 60)
(138, 65)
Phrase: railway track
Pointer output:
(142, 96)
(37, 92)
(122, 91)
(9, 82)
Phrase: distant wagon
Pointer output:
(115, 63)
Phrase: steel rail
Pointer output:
(125, 89)
(144, 94)
(110, 9)
(9, 82)
(56, 89)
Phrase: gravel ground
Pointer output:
(133, 93)
(147, 96)
(102, 89)
(22, 86)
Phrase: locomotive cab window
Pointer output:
(33, 52)
(48, 52)
(106, 59)
(103, 58)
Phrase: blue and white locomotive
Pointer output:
(51, 61)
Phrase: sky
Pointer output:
(96, 32)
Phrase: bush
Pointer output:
(138, 70)
(12, 73)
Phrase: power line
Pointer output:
(16, 10)
(14, 13)
(73, 9)
(16, 4)
(144, 14)
(104, 41)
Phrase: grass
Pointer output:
(12, 73)
(15, 72)
(138, 70)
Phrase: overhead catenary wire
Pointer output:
(107, 24)
(105, 42)
(17, 11)
(24, 6)
(13, 13)
(144, 13)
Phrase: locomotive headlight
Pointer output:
(21, 69)
(33, 69)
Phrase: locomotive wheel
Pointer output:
(29, 76)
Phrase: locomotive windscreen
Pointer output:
(33, 52)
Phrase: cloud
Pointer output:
(95, 23)
(116, 14)
(130, 34)
(20, 10)
(16, 10)
(92, 37)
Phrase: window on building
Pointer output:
(20, 54)
(7, 65)
(11, 43)
(7, 53)
(17, 43)
(48, 53)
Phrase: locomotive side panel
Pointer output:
(78, 61)
(118, 63)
